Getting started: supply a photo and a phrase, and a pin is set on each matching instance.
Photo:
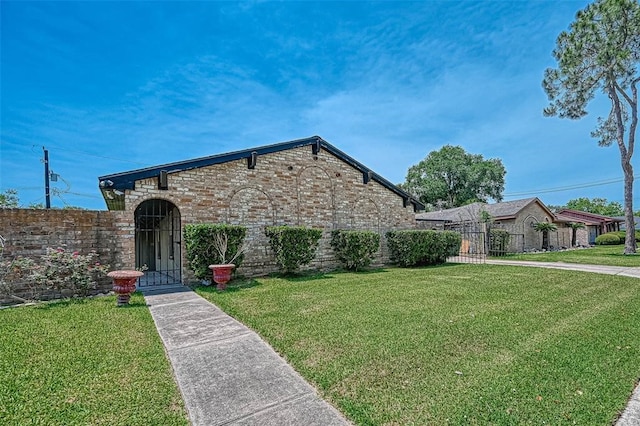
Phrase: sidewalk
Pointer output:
(227, 374)
(631, 414)
(598, 269)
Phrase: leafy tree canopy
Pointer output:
(601, 52)
(9, 198)
(451, 177)
(596, 205)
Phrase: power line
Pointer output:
(87, 154)
(567, 188)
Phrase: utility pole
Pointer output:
(47, 195)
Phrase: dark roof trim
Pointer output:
(586, 215)
(126, 180)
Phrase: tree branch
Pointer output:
(624, 94)
(615, 100)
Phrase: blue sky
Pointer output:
(114, 86)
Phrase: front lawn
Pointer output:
(85, 362)
(598, 255)
(456, 344)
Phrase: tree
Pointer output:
(574, 231)
(601, 51)
(596, 205)
(545, 228)
(451, 177)
(9, 198)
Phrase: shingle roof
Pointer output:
(471, 212)
(126, 180)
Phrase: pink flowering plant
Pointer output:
(56, 270)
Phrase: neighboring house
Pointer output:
(623, 225)
(302, 182)
(518, 217)
(595, 224)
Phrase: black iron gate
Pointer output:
(158, 245)
(473, 248)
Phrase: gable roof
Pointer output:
(114, 185)
(471, 212)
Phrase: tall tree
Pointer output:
(601, 51)
(596, 205)
(451, 177)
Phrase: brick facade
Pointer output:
(29, 232)
(288, 187)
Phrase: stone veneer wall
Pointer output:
(290, 187)
(29, 232)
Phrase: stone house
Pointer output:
(306, 182)
(518, 217)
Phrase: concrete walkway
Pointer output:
(227, 374)
(631, 414)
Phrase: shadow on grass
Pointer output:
(441, 265)
(316, 275)
(234, 285)
(305, 276)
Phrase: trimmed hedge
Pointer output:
(201, 252)
(355, 249)
(609, 239)
(293, 246)
(623, 235)
(498, 242)
(422, 247)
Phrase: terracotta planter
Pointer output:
(222, 274)
(124, 283)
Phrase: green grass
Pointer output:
(598, 255)
(85, 362)
(457, 344)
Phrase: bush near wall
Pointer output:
(609, 239)
(201, 252)
(498, 242)
(56, 274)
(293, 246)
(355, 249)
(422, 247)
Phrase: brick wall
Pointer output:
(29, 232)
(291, 187)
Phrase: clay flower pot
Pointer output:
(124, 283)
(222, 274)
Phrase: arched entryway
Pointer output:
(158, 243)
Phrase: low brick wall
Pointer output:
(29, 232)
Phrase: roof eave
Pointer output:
(126, 180)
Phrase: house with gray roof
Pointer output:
(518, 217)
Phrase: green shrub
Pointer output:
(355, 249)
(608, 239)
(422, 247)
(623, 234)
(293, 246)
(200, 244)
(498, 242)
(620, 234)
